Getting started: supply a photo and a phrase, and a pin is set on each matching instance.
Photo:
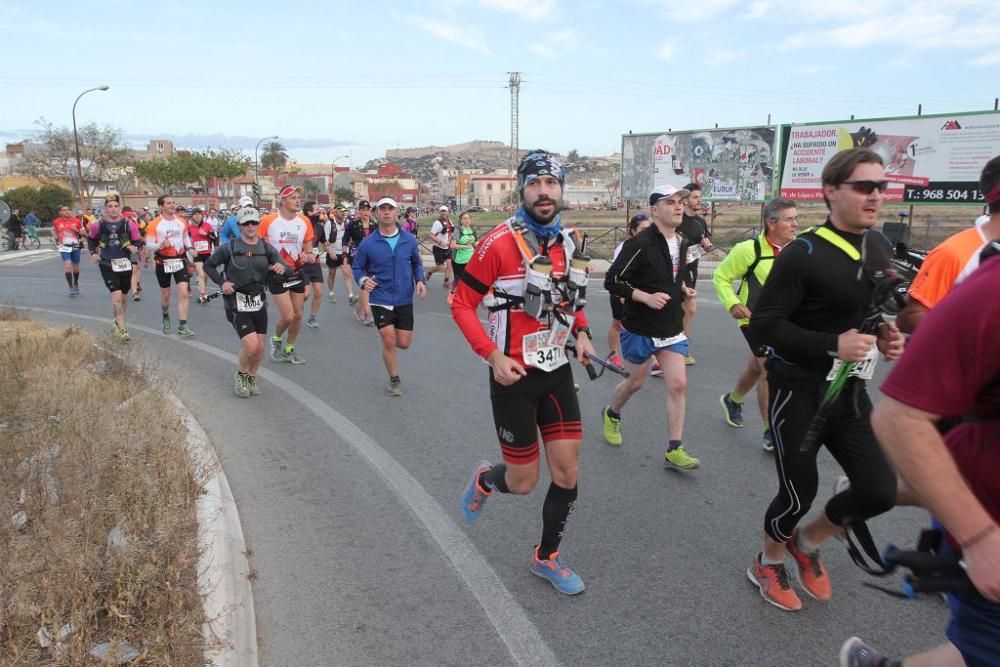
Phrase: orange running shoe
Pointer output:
(811, 573)
(774, 585)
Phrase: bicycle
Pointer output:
(30, 240)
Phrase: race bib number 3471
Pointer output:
(539, 353)
(172, 265)
(863, 369)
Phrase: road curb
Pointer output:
(230, 630)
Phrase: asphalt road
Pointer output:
(349, 501)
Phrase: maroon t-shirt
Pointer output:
(951, 368)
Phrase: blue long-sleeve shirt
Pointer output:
(395, 270)
(230, 231)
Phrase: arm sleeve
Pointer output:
(783, 291)
(480, 273)
(731, 269)
(616, 280)
(220, 256)
(418, 263)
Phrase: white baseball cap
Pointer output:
(386, 200)
(245, 201)
(246, 214)
(665, 191)
(443, 208)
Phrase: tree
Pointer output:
(573, 156)
(44, 201)
(103, 154)
(344, 194)
(190, 167)
(274, 156)
(311, 187)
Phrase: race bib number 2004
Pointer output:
(249, 303)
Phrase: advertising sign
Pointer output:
(734, 164)
(928, 159)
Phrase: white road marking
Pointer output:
(20, 254)
(512, 625)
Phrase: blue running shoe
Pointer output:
(554, 569)
(475, 495)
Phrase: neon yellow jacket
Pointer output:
(734, 268)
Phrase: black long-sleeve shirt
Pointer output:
(645, 263)
(813, 294)
(246, 266)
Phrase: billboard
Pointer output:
(928, 159)
(735, 164)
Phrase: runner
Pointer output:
(638, 223)
(203, 239)
(230, 228)
(335, 256)
(292, 234)
(462, 248)
(69, 234)
(386, 265)
(312, 273)
(525, 262)
(167, 238)
(441, 233)
(248, 262)
(808, 313)
(749, 263)
(952, 261)
(355, 232)
(649, 274)
(113, 242)
(695, 230)
(411, 224)
(951, 369)
(142, 222)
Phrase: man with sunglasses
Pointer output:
(808, 313)
(953, 260)
(247, 263)
(292, 234)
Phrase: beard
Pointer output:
(547, 218)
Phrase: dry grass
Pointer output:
(79, 465)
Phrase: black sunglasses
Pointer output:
(867, 187)
(249, 222)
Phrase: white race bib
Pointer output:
(201, 246)
(537, 352)
(249, 303)
(121, 264)
(65, 248)
(660, 343)
(864, 369)
(173, 265)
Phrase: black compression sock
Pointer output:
(558, 506)
(393, 378)
(183, 322)
(76, 279)
(613, 414)
(69, 278)
(495, 478)
(673, 444)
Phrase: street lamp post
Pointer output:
(76, 140)
(256, 168)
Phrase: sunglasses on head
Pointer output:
(867, 187)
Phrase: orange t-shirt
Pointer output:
(287, 236)
(948, 264)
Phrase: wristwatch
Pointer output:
(585, 330)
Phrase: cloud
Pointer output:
(467, 37)
(526, 10)
(757, 10)
(723, 56)
(666, 51)
(558, 43)
(987, 59)
(697, 11)
(815, 69)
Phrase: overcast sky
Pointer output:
(355, 78)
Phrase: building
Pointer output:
(491, 190)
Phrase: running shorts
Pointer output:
(637, 349)
(116, 282)
(312, 273)
(441, 255)
(400, 317)
(248, 323)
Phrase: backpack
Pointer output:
(750, 278)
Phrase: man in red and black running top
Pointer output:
(69, 233)
(203, 240)
(534, 309)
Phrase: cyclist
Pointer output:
(531, 383)
(167, 238)
(69, 233)
(247, 262)
(808, 313)
(750, 262)
(114, 243)
(649, 274)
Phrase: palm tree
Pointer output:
(274, 156)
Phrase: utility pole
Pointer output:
(514, 83)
